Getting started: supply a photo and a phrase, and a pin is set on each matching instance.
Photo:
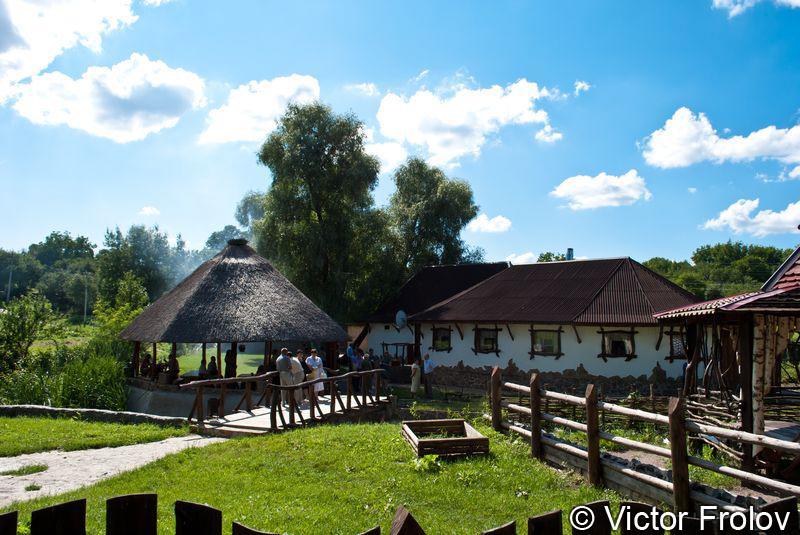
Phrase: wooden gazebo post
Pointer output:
(137, 347)
(267, 354)
(153, 372)
(203, 364)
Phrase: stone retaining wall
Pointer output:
(95, 415)
(568, 381)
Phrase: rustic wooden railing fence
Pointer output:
(271, 394)
(600, 470)
(137, 514)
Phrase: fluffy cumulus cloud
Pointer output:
(523, 258)
(483, 223)
(452, 124)
(583, 192)
(35, 32)
(368, 89)
(741, 217)
(688, 138)
(548, 134)
(252, 110)
(737, 7)
(125, 102)
(581, 87)
(149, 210)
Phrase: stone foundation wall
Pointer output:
(568, 381)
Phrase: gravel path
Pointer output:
(70, 470)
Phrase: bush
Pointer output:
(94, 383)
(28, 387)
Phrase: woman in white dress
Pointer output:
(314, 362)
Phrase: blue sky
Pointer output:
(682, 131)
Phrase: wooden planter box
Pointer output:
(447, 437)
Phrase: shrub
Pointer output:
(94, 383)
(26, 319)
(28, 387)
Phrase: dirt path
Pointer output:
(70, 470)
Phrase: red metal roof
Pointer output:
(612, 291)
(778, 300)
(704, 307)
(433, 284)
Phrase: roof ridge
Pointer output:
(600, 289)
(641, 288)
(661, 277)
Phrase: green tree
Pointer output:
(25, 272)
(250, 209)
(219, 238)
(319, 201)
(24, 320)
(60, 246)
(427, 212)
(111, 317)
(549, 256)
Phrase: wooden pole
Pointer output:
(221, 410)
(536, 417)
(137, 347)
(745, 352)
(494, 396)
(680, 463)
(153, 372)
(267, 354)
(593, 436)
(203, 363)
(235, 355)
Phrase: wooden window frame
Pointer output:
(557, 353)
(605, 355)
(671, 333)
(476, 345)
(449, 330)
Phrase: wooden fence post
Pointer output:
(494, 396)
(593, 436)
(536, 417)
(680, 464)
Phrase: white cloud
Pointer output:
(692, 190)
(422, 74)
(35, 32)
(155, 3)
(124, 103)
(548, 135)
(368, 89)
(739, 218)
(688, 138)
(390, 154)
(253, 109)
(456, 123)
(149, 210)
(483, 223)
(584, 192)
(737, 7)
(523, 258)
(581, 86)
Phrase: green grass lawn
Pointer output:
(343, 479)
(245, 363)
(29, 435)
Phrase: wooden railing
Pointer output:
(597, 468)
(271, 394)
(138, 514)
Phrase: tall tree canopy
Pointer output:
(428, 211)
(319, 204)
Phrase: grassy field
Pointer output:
(245, 363)
(30, 435)
(343, 479)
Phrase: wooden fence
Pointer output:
(271, 393)
(600, 470)
(137, 514)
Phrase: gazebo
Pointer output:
(235, 297)
(738, 343)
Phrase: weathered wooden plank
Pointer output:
(680, 464)
(132, 514)
(63, 519)
(197, 519)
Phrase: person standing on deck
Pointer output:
(284, 366)
(298, 375)
(427, 373)
(314, 362)
(416, 374)
(230, 364)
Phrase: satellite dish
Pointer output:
(400, 319)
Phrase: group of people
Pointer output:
(171, 367)
(297, 368)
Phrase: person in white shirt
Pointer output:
(314, 362)
(298, 375)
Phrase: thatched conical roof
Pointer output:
(237, 296)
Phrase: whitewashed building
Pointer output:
(593, 316)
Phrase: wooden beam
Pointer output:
(593, 437)
(745, 353)
(578, 336)
(508, 328)
(460, 332)
(536, 418)
(680, 464)
(137, 347)
(494, 396)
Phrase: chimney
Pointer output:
(570, 254)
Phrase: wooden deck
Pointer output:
(258, 420)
